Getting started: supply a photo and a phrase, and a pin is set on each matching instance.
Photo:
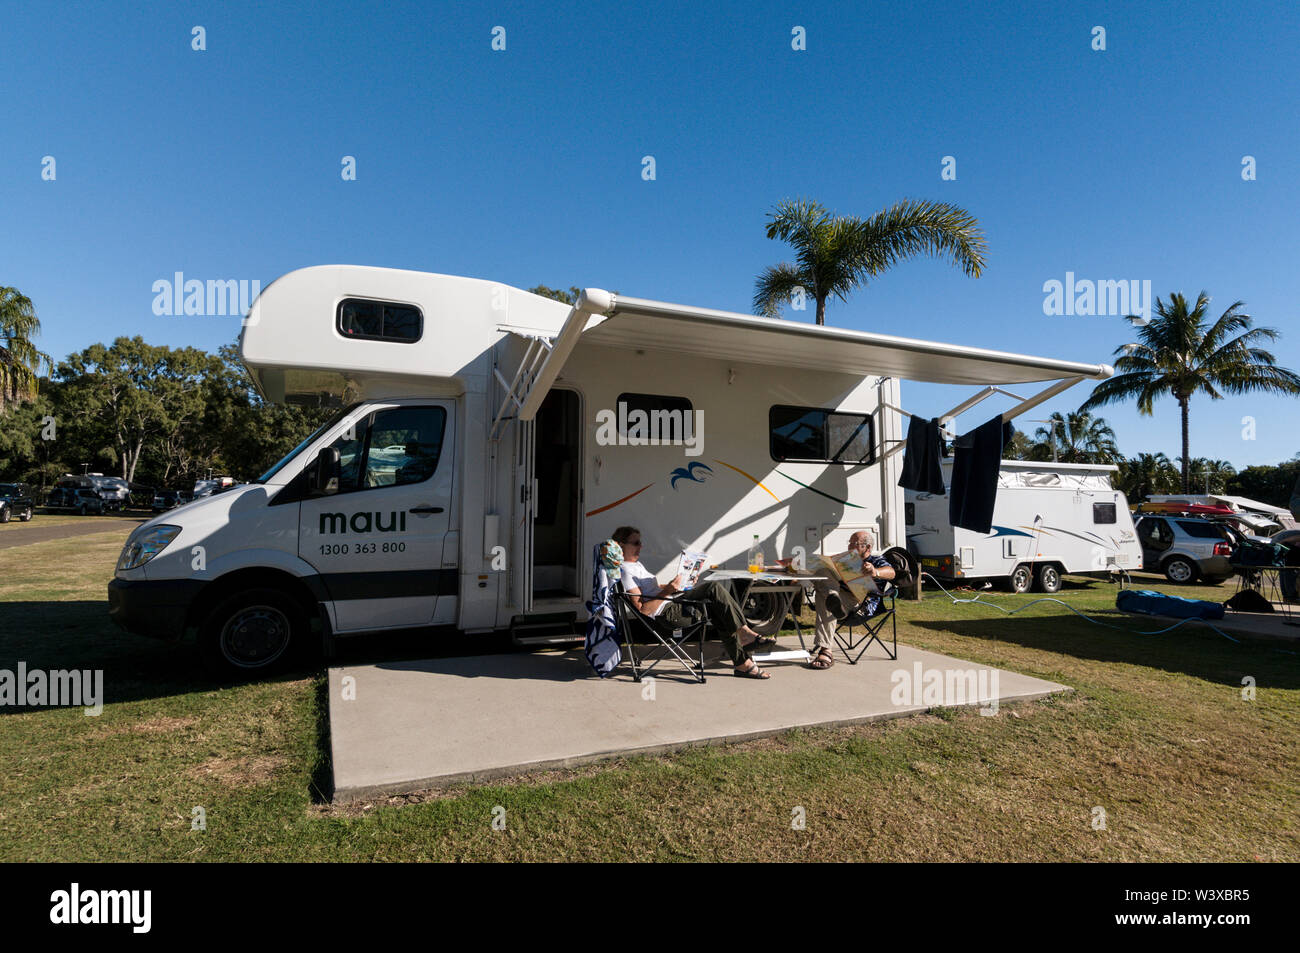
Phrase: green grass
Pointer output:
(1156, 733)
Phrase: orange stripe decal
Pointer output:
(617, 502)
(748, 477)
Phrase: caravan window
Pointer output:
(813, 435)
(665, 416)
(1103, 513)
(366, 320)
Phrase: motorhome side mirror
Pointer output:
(323, 479)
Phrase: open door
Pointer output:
(557, 498)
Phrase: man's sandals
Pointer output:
(823, 660)
(752, 672)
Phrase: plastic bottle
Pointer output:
(755, 556)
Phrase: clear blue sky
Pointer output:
(524, 166)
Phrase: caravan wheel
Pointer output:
(1049, 578)
(1021, 578)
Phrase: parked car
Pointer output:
(79, 499)
(170, 499)
(1185, 549)
(16, 500)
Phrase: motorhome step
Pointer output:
(564, 622)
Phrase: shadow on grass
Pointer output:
(65, 635)
(1191, 649)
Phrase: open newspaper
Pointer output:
(847, 567)
(689, 567)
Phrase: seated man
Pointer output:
(714, 599)
(835, 601)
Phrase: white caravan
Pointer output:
(1049, 519)
(488, 438)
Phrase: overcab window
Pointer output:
(365, 320)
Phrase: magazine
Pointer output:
(847, 567)
(689, 567)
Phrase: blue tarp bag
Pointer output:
(1150, 602)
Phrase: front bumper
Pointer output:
(155, 608)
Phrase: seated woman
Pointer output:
(713, 598)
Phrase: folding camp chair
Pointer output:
(872, 625)
(652, 631)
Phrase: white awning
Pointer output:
(639, 323)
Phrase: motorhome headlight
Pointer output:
(146, 546)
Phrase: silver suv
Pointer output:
(1185, 548)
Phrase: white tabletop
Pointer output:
(772, 577)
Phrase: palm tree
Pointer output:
(1079, 437)
(1214, 473)
(836, 254)
(1145, 474)
(1177, 354)
(20, 361)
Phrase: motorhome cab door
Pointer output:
(378, 542)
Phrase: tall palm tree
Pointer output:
(1178, 354)
(1145, 474)
(1079, 437)
(836, 254)
(20, 360)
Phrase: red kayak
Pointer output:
(1190, 509)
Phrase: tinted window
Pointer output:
(368, 320)
(1201, 530)
(665, 416)
(1103, 513)
(812, 435)
(393, 447)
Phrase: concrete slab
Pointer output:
(420, 724)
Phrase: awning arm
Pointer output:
(544, 359)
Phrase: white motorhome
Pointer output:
(1049, 519)
(487, 439)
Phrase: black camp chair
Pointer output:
(636, 627)
(873, 625)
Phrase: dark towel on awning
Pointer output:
(921, 456)
(976, 457)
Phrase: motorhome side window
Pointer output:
(367, 320)
(814, 435)
(1103, 513)
(392, 447)
(666, 417)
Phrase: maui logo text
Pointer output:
(363, 522)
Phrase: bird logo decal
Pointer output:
(694, 472)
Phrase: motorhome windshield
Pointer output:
(298, 449)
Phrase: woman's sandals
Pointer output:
(752, 672)
(823, 660)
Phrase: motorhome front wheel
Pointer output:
(250, 633)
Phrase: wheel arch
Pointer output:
(306, 591)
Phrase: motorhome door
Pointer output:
(378, 542)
